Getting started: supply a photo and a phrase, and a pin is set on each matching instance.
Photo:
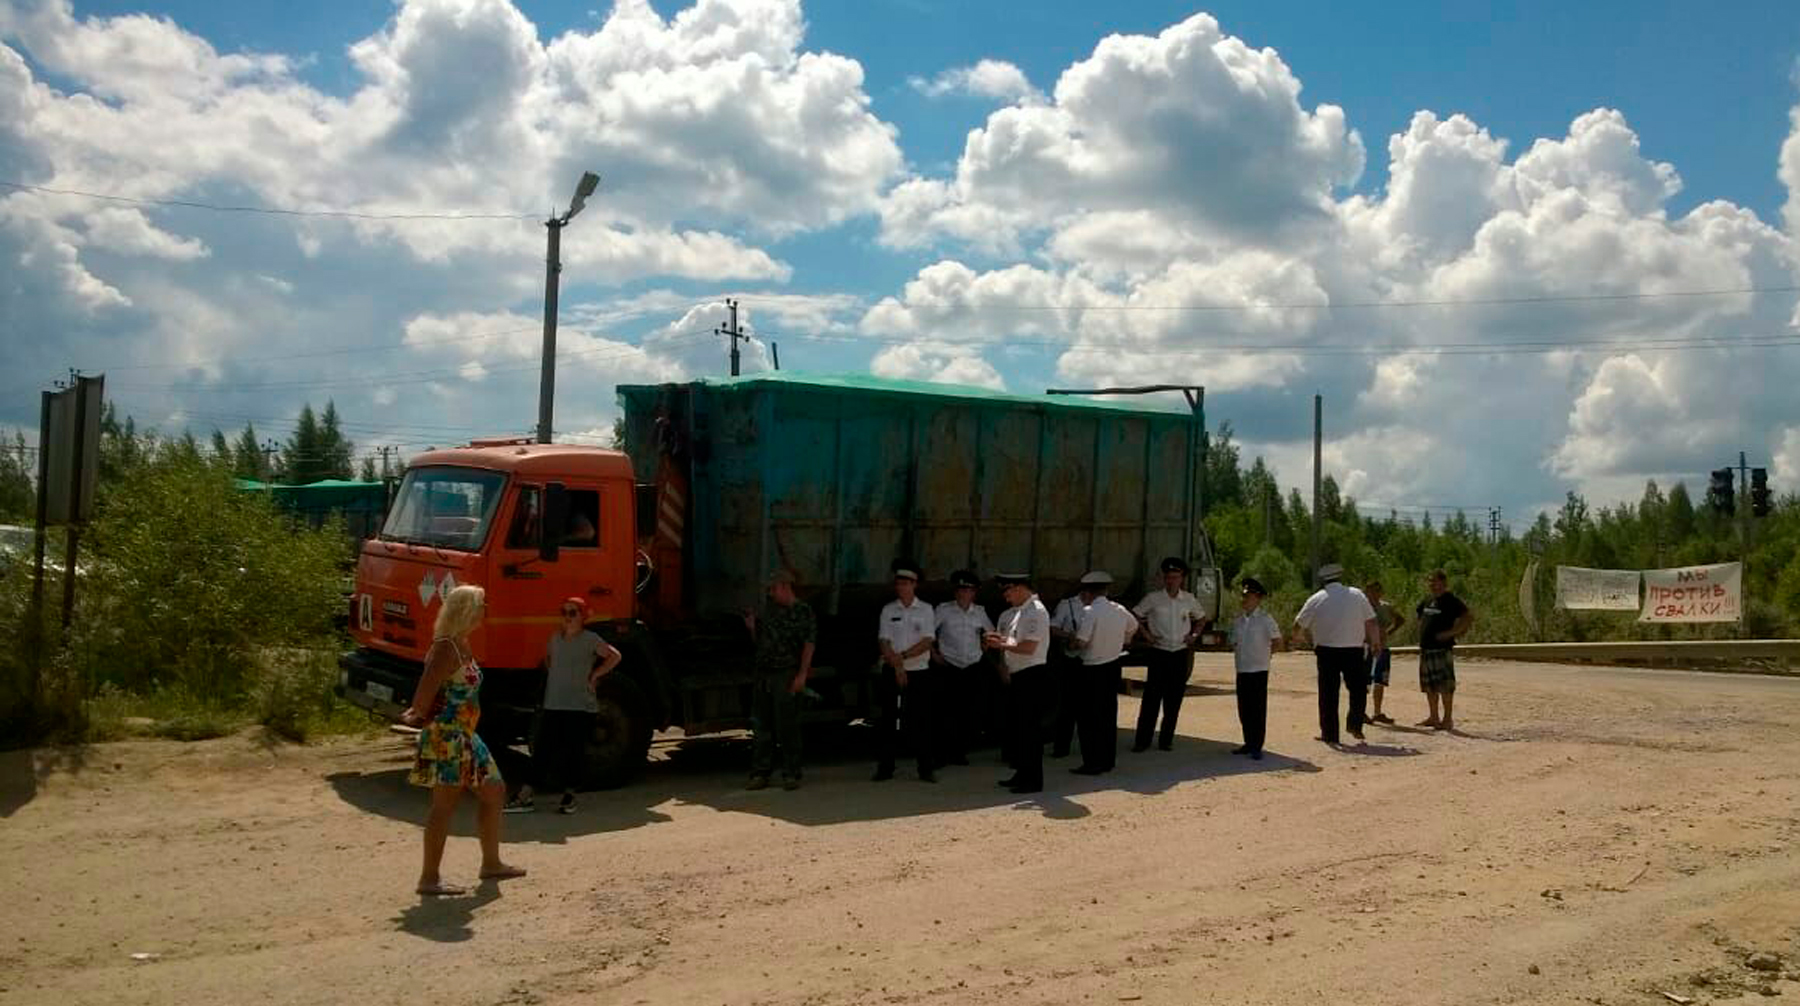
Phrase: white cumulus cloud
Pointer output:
(988, 78)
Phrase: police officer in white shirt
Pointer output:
(1254, 639)
(907, 631)
(1172, 620)
(1022, 639)
(1106, 626)
(957, 654)
(1344, 631)
(1065, 666)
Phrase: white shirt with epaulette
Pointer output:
(903, 626)
(1030, 620)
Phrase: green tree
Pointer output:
(1224, 481)
(221, 450)
(247, 458)
(1679, 513)
(303, 458)
(18, 487)
(368, 473)
(336, 453)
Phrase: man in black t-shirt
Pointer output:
(1442, 618)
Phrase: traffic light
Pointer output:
(1759, 492)
(1721, 493)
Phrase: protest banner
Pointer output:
(1596, 589)
(1694, 594)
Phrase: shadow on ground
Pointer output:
(711, 772)
(446, 919)
(23, 771)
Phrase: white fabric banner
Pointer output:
(1694, 594)
(1596, 589)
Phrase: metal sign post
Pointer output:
(68, 467)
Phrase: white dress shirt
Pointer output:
(1106, 626)
(1067, 618)
(959, 632)
(1169, 619)
(904, 626)
(1335, 616)
(1030, 620)
(1253, 638)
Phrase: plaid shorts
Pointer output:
(1437, 671)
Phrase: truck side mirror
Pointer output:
(556, 517)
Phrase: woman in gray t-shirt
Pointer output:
(575, 659)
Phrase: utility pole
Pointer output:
(1743, 505)
(1494, 525)
(552, 281)
(735, 332)
(775, 354)
(1312, 575)
(269, 449)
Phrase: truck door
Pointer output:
(538, 587)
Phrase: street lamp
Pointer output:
(552, 276)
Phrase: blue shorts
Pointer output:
(1379, 668)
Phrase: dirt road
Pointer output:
(1596, 836)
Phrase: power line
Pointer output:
(383, 348)
(409, 377)
(266, 210)
(1535, 347)
(1576, 298)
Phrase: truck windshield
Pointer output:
(444, 507)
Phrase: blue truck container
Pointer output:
(834, 477)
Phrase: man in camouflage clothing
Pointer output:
(785, 635)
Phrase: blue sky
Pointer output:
(916, 259)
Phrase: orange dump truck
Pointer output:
(723, 482)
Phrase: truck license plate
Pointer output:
(379, 691)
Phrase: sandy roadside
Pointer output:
(1596, 835)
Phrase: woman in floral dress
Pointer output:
(451, 757)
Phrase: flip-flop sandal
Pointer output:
(510, 873)
(440, 890)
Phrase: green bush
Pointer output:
(191, 577)
(293, 695)
(185, 583)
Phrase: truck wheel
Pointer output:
(620, 740)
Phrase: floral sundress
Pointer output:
(450, 753)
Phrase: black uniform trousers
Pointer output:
(1346, 663)
(1165, 684)
(916, 709)
(1070, 696)
(559, 748)
(1098, 716)
(1026, 694)
(1253, 708)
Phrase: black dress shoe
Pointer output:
(1165, 747)
(1139, 748)
(1086, 770)
(1240, 749)
(1008, 783)
(882, 775)
(1256, 756)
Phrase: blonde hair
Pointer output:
(461, 612)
